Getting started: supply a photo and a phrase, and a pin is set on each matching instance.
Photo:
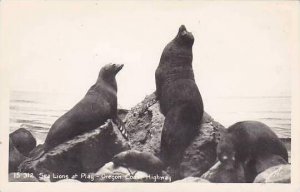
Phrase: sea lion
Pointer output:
(23, 140)
(248, 142)
(98, 105)
(219, 173)
(179, 97)
(15, 157)
(143, 161)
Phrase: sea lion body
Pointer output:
(98, 105)
(247, 142)
(143, 161)
(15, 157)
(178, 95)
(23, 140)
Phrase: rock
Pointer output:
(192, 179)
(15, 157)
(21, 177)
(219, 173)
(276, 174)
(85, 153)
(122, 113)
(23, 140)
(144, 124)
(112, 173)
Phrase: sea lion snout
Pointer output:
(228, 161)
(185, 37)
(110, 70)
(118, 67)
(116, 160)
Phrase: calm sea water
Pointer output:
(38, 111)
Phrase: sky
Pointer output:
(240, 49)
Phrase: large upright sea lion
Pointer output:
(98, 105)
(179, 97)
(249, 142)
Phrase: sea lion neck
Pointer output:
(107, 80)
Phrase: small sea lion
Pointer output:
(15, 157)
(98, 105)
(247, 142)
(179, 98)
(143, 161)
(23, 140)
(219, 173)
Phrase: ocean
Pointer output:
(37, 111)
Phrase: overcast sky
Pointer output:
(241, 48)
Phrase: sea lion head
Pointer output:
(108, 74)
(178, 52)
(184, 37)
(123, 158)
(110, 70)
(226, 152)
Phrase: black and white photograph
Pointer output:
(140, 92)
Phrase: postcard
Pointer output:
(150, 95)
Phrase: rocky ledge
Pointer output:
(84, 154)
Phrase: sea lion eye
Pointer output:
(233, 158)
(224, 157)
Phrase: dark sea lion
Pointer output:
(179, 97)
(143, 161)
(23, 140)
(219, 173)
(98, 105)
(15, 157)
(248, 142)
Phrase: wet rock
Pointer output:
(192, 179)
(21, 177)
(276, 174)
(219, 173)
(144, 124)
(15, 157)
(23, 140)
(85, 153)
(201, 154)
